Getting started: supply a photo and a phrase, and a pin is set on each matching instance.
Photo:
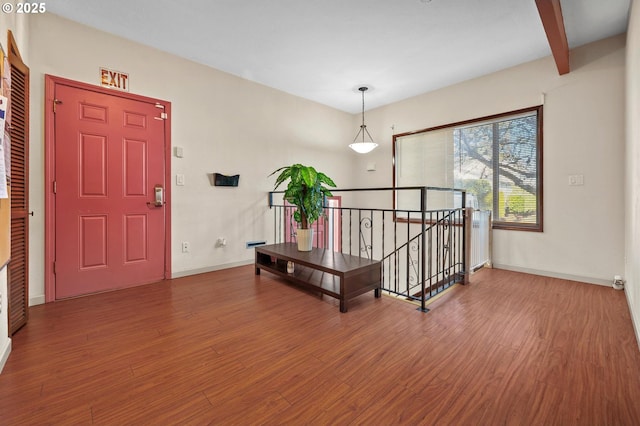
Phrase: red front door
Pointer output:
(109, 158)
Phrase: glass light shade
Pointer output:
(363, 147)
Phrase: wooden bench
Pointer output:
(338, 275)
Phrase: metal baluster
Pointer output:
(423, 269)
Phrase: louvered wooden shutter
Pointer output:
(18, 272)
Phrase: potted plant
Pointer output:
(307, 192)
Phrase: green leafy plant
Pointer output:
(516, 204)
(305, 190)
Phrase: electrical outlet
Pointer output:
(185, 247)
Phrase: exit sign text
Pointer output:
(114, 79)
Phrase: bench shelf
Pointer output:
(335, 274)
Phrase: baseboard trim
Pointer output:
(37, 300)
(181, 274)
(588, 280)
(5, 354)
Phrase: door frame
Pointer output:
(49, 173)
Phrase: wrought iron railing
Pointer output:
(436, 253)
(421, 235)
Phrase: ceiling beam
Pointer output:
(551, 15)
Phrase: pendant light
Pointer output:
(363, 146)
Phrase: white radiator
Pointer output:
(480, 239)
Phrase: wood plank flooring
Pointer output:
(231, 348)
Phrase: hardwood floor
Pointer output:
(231, 348)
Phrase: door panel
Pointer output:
(109, 156)
(93, 241)
(135, 233)
(135, 168)
(93, 166)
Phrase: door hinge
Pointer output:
(163, 116)
(54, 267)
(55, 187)
(55, 103)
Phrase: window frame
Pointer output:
(538, 109)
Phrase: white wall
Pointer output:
(632, 178)
(19, 25)
(584, 122)
(225, 124)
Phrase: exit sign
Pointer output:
(114, 79)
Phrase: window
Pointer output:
(497, 160)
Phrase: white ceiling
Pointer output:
(324, 50)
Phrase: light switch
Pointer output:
(576, 180)
(180, 180)
(178, 151)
